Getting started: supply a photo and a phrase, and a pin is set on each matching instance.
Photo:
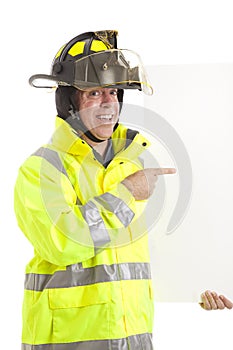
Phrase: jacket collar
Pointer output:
(67, 140)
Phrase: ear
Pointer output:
(63, 98)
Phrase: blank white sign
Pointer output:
(196, 100)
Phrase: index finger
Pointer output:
(164, 171)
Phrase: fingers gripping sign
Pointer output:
(212, 301)
(142, 182)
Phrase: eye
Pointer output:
(94, 93)
(113, 92)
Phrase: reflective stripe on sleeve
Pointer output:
(134, 342)
(90, 212)
(52, 157)
(117, 206)
(75, 275)
(98, 231)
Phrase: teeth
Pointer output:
(105, 116)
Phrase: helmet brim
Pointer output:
(111, 68)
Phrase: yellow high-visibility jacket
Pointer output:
(89, 283)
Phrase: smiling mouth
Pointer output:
(105, 117)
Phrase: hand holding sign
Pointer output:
(211, 301)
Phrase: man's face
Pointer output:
(99, 110)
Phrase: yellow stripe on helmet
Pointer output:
(59, 52)
(98, 45)
(77, 48)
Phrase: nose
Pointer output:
(107, 98)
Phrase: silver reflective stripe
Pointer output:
(52, 157)
(75, 275)
(117, 206)
(90, 212)
(98, 231)
(134, 342)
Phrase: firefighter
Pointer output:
(80, 201)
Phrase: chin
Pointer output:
(104, 135)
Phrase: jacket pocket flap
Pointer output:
(61, 298)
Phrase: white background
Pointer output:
(170, 32)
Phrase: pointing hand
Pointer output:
(142, 183)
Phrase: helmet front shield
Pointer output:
(122, 69)
(111, 68)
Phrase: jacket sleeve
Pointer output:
(61, 229)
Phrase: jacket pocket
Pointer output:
(80, 313)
